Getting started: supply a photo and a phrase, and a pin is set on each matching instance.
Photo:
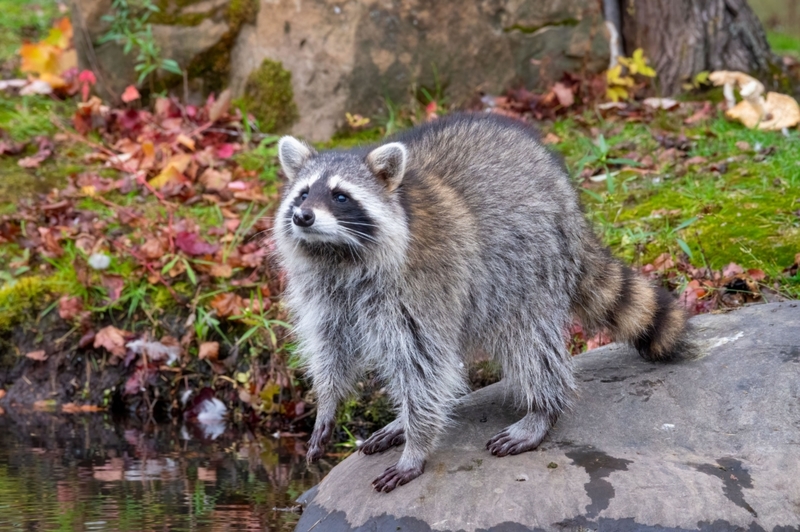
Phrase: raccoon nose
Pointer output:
(303, 217)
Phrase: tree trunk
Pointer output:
(684, 37)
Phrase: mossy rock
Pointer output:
(268, 95)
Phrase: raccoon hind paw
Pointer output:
(384, 439)
(394, 476)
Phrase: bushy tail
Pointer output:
(613, 297)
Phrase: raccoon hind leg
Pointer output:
(524, 435)
(538, 370)
(384, 439)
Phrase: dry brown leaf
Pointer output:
(228, 305)
(221, 106)
(209, 350)
(153, 249)
(223, 271)
(112, 339)
(39, 356)
(551, 138)
(70, 308)
(186, 141)
(215, 180)
(564, 94)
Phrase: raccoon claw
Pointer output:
(505, 443)
(382, 440)
(319, 439)
(393, 477)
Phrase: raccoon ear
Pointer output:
(293, 154)
(388, 163)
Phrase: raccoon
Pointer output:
(460, 235)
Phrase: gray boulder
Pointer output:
(712, 445)
(350, 56)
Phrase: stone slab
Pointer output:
(711, 444)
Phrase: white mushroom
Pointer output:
(729, 79)
(776, 112)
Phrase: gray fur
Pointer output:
(481, 247)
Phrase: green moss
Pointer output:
(21, 300)
(241, 12)
(213, 65)
(269, 96)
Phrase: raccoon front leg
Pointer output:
(389, 436)
(426, 380)
(333, 374)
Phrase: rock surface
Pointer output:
(711, 444)
(349, 56)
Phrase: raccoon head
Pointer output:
(340, 199)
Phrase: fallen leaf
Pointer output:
(45, 150)
(696, 160)
(223, 271)
(192, 244)
(9, 147)
(228, 305)
(215, 180)
(662, 103)
(39, 356)
(732, 269)
(700, 115)
(2, 393)
(564, 94)
(168, 350)
(153, 248)
(664, 262)
(185, 141)
(113, 285)
(112, 340)
(209, 350)
(220, 106)
(226, 151)
(551, 138)
(130, 94)
(70, 308)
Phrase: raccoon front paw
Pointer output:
(515, 440)
(319, 439)
(384, 439)
(393, 477)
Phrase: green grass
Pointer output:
(784, 44)
(749, 214)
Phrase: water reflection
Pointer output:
(86, 473)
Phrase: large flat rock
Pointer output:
(711, 444)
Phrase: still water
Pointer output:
(85, 472)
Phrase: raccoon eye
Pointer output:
(303, 196)
(341, 198)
